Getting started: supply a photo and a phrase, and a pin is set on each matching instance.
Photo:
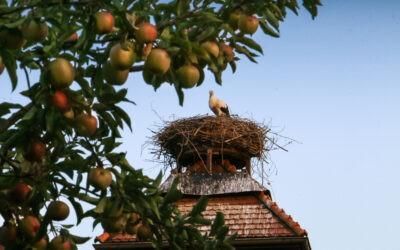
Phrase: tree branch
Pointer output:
(22, 8)
(136, 68)
(15, 117)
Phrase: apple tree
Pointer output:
(82, 52)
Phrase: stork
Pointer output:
(218, 106)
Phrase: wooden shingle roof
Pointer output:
(247, 206)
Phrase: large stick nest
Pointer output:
(192, 136)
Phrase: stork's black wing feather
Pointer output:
(225, 110)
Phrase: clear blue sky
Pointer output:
(333, 84)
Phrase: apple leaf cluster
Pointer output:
(68, 132)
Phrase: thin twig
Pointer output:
(136, 68)
(98, 160)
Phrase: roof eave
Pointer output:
(302, 242)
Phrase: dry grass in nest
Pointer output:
(176, 139)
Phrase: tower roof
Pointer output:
(247, 206)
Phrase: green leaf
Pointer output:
(158, 180)
(266, 29)
(250, 43)
(218, 77)
(15, 24)
(218, 222)
(206, 34)
(201, 16)
(85, 86)
(109, 119)
(179, 91)
(231, 238)
(182, 7)
(78, 209)
(11, 66)
(31, 113)
(200, 206)
(277, 10)
(154, 207)
(101, 206)
(118, 5)
(272, 19)
(109, 144)
(311, 6)
(175, 183)
(68, 226)
(172, 196)
(202, 76)
(123, 115)
(246, 52)
(222, 232)
(233, 66)
(78, 239)
(185, 44)
(51, 118)
(198, 219)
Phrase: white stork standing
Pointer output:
(218, 106)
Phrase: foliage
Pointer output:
(71, 148)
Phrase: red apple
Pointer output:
(248, 24)
(34, 31)
(104, 22)
(30, 226)
(233, 20)
(36, 151)
(146, 33)
(131, 228)
(18, 194)
(211, 47)
(158, 61)
(57, 210)
(143, 232)
(60, 100)
(41, 244)
(227, 51)
(13, 38)
(8, 235)
(120, 58)
(114, 76)
(100, 178)
(59, 243)
(132, 224)
(86, 124)
(188, 76)
(72, 37)
(112, 225)
(61, 73)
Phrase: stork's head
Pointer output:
(211, 93)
